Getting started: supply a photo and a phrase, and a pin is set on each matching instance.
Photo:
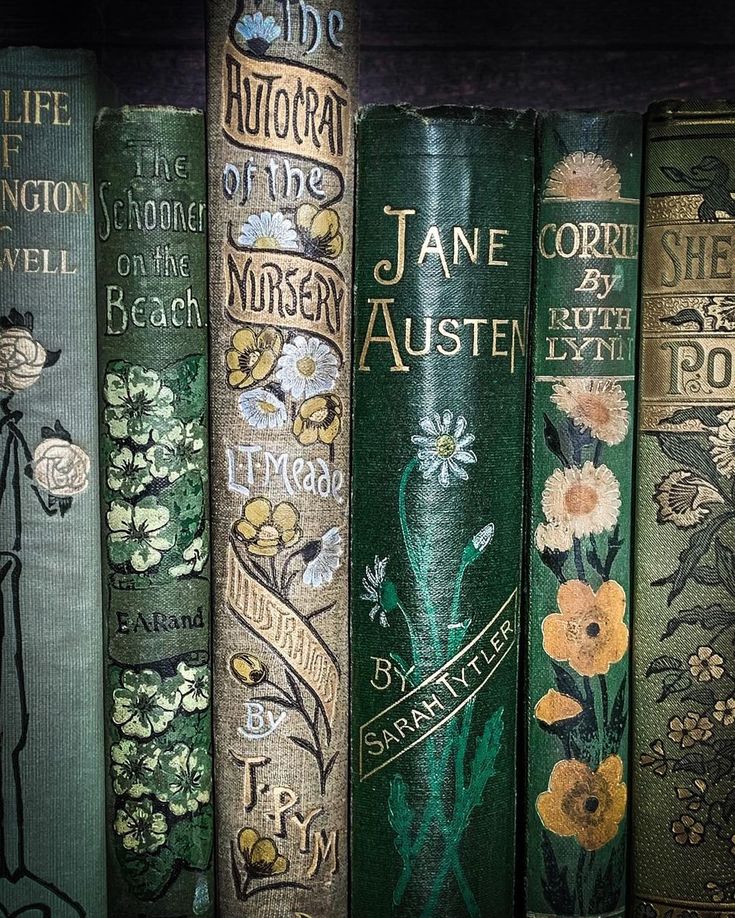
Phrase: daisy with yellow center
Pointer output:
(263, 410)
(597, 405)
(586, 499)
(443, 447)
(268, 231)
(307, 367)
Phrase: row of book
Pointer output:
(412, 431)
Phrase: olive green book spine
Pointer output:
(51, 718)
(579, 542)
(444, 253)
(684, 623)
(282, 98)
(151, 223)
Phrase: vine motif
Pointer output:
(696, 498)
(585, 639)
(56, 472)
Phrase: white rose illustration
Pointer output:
(60, 467)
(22, 359)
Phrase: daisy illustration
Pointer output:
(262, 409)
(257, 32)
(307, 367)
(585, 500)
(597, 405)
(443, 448)
(324, 557)
(268, 230)
(373, 584)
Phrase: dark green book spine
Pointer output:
(583, 349)
(152, 315)
(684, 618)
(51, 721)
(444, 242)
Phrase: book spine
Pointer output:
(152, 316)
(51, 630)
(282, 95)
(684, 629)
(579, 542)
(444, 243)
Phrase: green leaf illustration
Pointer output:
(188, 379)
(148, 876)
(191, 839)
(554, 880)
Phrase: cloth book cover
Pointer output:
(51, 741)
(443, 269)
(583, 346)
(151, 223)
(684, 621)
(282, 96)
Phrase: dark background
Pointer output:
(559, 53)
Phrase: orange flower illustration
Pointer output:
(586, 804)
(319, 419)
(555, 707)
(588, 631)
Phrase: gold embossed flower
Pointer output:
(556, 707)
(320, 231)
(706, 665)
(684, 498)
(656, 759)
(588, 805)
(687, 830)
(319, 419)
(267, 530)
(588, 631)
(61, 468)
(253, 356)
(248, 669)
(584, 177)
(693, 728)
(725, 712)
(260, 854)
(22, 358)
(586, 500)
(597, 405)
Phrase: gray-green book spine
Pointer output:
(51, 739)
(152, 317)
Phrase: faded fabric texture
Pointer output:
(683, 625)
(151, 223)
(282, 93)
(443, 273)
(579, 543)
(51, 744)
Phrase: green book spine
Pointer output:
(151, 225)
(51, 743)
(583, 347)
(444, 243)
(282, 96)
(684, 626)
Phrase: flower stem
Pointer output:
(578, 562)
